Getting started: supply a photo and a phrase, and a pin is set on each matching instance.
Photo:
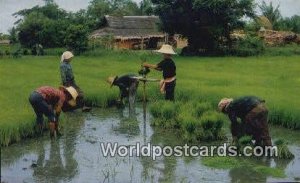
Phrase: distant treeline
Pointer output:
(207, 24)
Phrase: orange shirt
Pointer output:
(52, 96)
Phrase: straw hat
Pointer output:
(166, 49)
(73, 92)
(66, 56)
(111, 80)
(224, 103)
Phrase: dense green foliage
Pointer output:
(248, 46)
(290, 24)
(51, 26)
(207, 24)
(277, 21)
(274, 79)
(76, 38)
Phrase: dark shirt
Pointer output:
(66, 72)
(124, 82)
(168, 67)
(242, 106)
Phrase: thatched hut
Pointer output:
(5, 42)
(131, 32)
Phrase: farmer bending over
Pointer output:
(254, 118)
(50, 102)
(67, 78)
(128, 87)
(168, 67)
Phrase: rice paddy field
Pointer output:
(273, 78)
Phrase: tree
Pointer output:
(47, 2)
(146, 7)
(207, 24)
(96, 11)
(295, 23)
(13, 37)
(30, 31)
(271, 12)
(76, 38)
(128, 8)
(47, 25)
(290, 24)
(52, 26)
(4, 36)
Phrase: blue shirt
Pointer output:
(67, 77)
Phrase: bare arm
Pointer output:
(152, 66)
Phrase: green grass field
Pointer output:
(276, 79)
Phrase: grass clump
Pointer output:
(212, 123)
(268, 171)
(202, 107)
(165, 114)
(259, 168)
(196, 121)
(221, 162)
(283, 150)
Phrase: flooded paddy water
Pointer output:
(76, 156)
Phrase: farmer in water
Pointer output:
(254, 118)
(128, 85)
(67, 78)
(168, 67)
(50, 102)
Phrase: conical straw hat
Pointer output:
(73, 92)
(111, 80)
(66, 56)
(166, 49)
(224, 103)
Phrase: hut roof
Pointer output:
(129, 27)
(4, 41)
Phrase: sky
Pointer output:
(8, 7)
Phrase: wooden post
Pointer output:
(144, 100)
(166, 38)
(144, 109)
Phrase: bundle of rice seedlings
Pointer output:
(283, 150)
(200, 108)
(243, 142)
(155, 109)
(212, 123)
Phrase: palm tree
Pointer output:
(271, 12)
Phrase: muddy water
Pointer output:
(76, 156)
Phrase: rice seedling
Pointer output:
(251, 165)
(212, 123)
(283, 150)
(200, 108)
(196, 121)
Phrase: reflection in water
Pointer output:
(129, 124)
(61, 164)
(76, 156)
(53, 168)
(249, 175)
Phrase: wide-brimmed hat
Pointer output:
(73, 92)
(111, 80)
(66, 56)
(166, 49)
(224, 103)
